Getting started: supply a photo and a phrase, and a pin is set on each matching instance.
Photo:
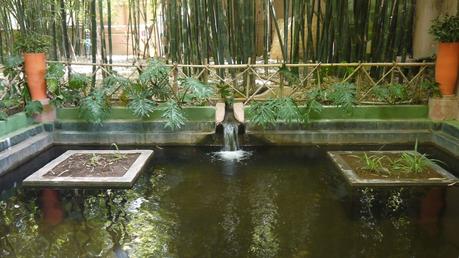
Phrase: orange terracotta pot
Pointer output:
(35, 71)
(447, 67)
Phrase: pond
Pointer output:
(278, 202)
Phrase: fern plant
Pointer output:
(54, 75)
(33, 108)
(343, 95)
(289, 75)
(312, 103)
(268, 112)
(95, 107)
(391, 93)
(262, 113)
(156, 77)
(195, 90)
(173, 115)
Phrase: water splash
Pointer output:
(237, 155)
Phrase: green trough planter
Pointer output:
(383, 112)
(193, 114)
(14, 123)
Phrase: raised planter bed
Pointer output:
(351, 165)
(91, 168)
(13, 123)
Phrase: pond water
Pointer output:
(276, 202)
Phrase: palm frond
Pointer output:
(96, 107)
(173, 115)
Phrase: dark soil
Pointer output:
(357, 163)
(94, 165)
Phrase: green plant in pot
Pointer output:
(445, 30)
(34, 46)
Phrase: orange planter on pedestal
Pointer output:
(447, 66)
(35, 71)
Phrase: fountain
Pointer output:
(231, 130)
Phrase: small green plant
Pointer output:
(342, 95)
(173, 115)
(33, 43)
(289, 75)
(430, 87)
(391, 93)
(225, 93)
(264, 113)
(372, 163)
(54, 76)
(195, 90)
(445, 28)
(95, 107)
(412, 162)
(33, 108)
(118, 154)
(312, 103)
(95, 160)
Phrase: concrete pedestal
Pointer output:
(445, 108)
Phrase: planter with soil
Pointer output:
(355, 167)
(91, 168)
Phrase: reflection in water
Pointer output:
(264, 217)
(51, 207)
(151, 228)
(278, 203)
(231, 221)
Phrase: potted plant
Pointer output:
(33, 46)
(445, 29)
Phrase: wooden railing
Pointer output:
(249, 82)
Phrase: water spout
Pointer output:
(230, 136)
(231, 127)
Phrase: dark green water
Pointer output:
(281, 202)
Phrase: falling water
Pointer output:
(8, 143)
(231, 154)
(230, 131)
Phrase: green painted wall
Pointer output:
(13, 123)
(195, 114)
(371, 112)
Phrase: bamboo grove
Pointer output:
(218, 31)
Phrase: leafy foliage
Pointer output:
(33, 108)
(12, 66)
(430, 87)
(54, 75)
(3, 115)
(372, 163)
(95, 107)
(142, 107)
(173, 114)
(268, 112)
(412, 162)
(287, 110)
(291, 76)
(312, 103)
(262, 113)
(113, 82)
(33, 43)
(195, 89)
(79, 81)
(391, 93)
(343, 95)
(156, 77)
(225, 93)
(445, 28)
